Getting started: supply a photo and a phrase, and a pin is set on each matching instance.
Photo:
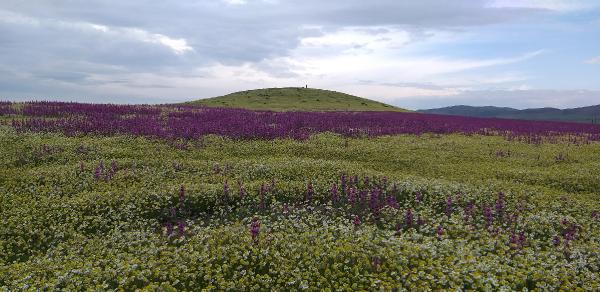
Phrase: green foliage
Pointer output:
(64, 229)
(295, 99)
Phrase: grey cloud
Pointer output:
(55, 40)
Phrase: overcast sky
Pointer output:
(414, 54)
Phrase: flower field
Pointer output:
(185, 197)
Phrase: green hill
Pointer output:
(295, 99)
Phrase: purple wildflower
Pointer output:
(334, 193)
(448, 209)
(226, 191)
(181, 227)
(242, 191)
(488, 216)
(352, 196)
(408, 218)
(113, 166)
(181, 196)
(595, 215)
(169, 228)
(392, 202)
(418, 197)
(556, 240)
(356, 221)
(439, 231)
(255, 229)
(500, 205)
(310, 192)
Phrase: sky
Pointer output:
(412, 54)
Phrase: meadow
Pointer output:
(185, 197)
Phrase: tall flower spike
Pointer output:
(255, 229)
(408, 218)
(448, 209)
(181, 196)
(309, 192)
(334, 193)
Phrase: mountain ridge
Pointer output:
(587, 114)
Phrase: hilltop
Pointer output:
(589, 114)
(295, 99)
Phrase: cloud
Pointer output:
(594, 60)
(177, 50)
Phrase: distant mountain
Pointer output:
(589, 114)
(295, 99)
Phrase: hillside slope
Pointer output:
(295, 99)
(589, 114)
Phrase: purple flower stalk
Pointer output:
(242, 191)
(556, 240)
(334, 193)
(439, 231)
(356, 221)
(81, 167)
(169, 228)
(181, 227)
(408, 218)
(418, 197)
(255, 229)
(310, 192)
(500, 205)
(488, 216)
(181, 196)
(226, 191)
(448, 209)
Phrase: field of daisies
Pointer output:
(166, 198)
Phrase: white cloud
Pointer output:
(594, 60)
(556, 5)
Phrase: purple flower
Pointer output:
(242, 191)
(98, 171)
(439, 231)
(392, 202)
(81, 167)
(469, 208)
(500, 204)
(226, 191)
(343, 182)
(181, 227)
(408, 218)
(488, 216)
(448, 209)
(556, 240)
(286, 209)
(418, 197)
(356, 221)
(595, 215)
(334, 193)
(352, 196)
(113, 166)
(169, 228)
(255, 229)
(181, 196)
(310, 192)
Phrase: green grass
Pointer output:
(61, 229)
(295, 99)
